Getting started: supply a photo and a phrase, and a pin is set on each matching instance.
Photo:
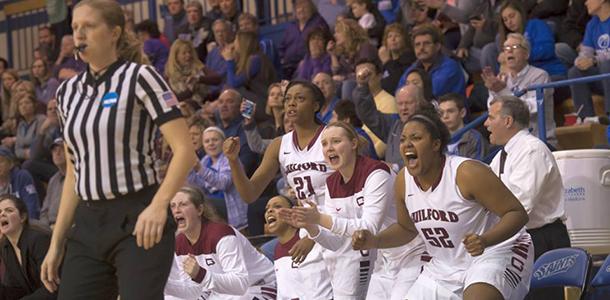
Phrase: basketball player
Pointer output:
(214, 260)
(473, 227)
(358, 196)
(298, 154)
(307, 280)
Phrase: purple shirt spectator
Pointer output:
(292, 47)
(157, 52)
(309, 67)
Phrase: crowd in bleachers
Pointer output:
(375, 68)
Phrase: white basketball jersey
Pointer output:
(305, 169)
(443, 217)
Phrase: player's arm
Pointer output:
(250, 189)
(478, 183)
(397, 234)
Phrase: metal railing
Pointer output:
(539, 88)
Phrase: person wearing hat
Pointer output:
(50, 205)
(18, 182)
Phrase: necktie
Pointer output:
(503, 155)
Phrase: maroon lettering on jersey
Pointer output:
(434, 214)
(520, 250)
(306, 166)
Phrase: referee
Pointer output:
(122, 241)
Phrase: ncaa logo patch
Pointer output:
(555, 267)
(110, 99)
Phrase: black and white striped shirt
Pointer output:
(109, 125)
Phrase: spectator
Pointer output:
(593, 58)
(550, 11)
(421, 79)
(27, 128)
(481, 30)
(196, 128)
(345, 111)
(148, 33)
(330, 10)
(317, 59)
(388, 127)
(396, 55)
(175, 19)
(452, 111)
(66, 58)
(213, 12)
(40, 164)
(47, 43)
(248, 22)
(50, 205)
(229, 119)
(223, 36)
(275, 106)
(519, 75)
(186, 74)
(538, 33)
(248, 70)
(384, 102)
(18, 182)
(9, 77)
(446, 74)
(213, 175)
(45, 85)
(129, 22)
(570, 32)
(22, 249)
(351, 45)
(292, 47)
(198, 29)
(362, 12)
(230, 12)
(326, 84)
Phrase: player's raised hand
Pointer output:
(231, 147)
(363, 240)
(474, 243)
(306, 214)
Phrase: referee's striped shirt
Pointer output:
(109, 125)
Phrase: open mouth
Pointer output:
(411, 158)
(333, 159)
(180, 221)
(271, 220)
(291, 113)
(510, 58)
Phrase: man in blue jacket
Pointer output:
(18, 182)
(446, 74)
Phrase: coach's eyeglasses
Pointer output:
(512, 47)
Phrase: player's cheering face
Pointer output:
(299, 104)
(339, 150)
(275, 225)
(186, 215)
(417, 148)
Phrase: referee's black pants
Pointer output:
(102, 258)
(548, 237)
